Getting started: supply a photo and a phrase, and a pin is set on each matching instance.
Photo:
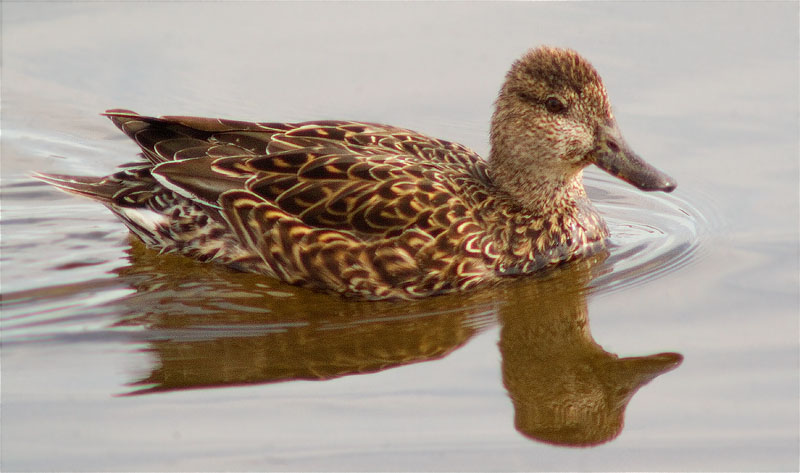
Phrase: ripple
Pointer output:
(652, 234)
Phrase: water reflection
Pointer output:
(565, 388)
(209, 327)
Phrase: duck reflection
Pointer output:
(565, 388)
(209, 327)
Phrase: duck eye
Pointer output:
(555, 105)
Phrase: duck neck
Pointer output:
(542, 194)
(559, 219)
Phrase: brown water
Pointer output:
(109, 351)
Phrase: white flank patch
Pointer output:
(145, 218)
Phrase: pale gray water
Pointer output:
(705, 91)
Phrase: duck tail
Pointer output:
(97, 188)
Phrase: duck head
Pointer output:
(552, 119)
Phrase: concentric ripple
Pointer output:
(652, 234)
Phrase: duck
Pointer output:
(372, 211)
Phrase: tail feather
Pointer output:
(142, 220)
(97, 188)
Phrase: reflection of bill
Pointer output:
(210, 327)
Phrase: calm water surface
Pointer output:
(115, 358)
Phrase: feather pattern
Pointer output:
(361, 209)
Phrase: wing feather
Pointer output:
(369, 181)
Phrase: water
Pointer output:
(110, 352)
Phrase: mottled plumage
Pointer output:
(376, 211)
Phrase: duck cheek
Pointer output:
(575, 151)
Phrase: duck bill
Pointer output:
(614, 156)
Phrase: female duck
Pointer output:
(375, 211)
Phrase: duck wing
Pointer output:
(357, 207)
(373, 181)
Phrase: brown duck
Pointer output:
(375, 211)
